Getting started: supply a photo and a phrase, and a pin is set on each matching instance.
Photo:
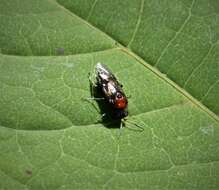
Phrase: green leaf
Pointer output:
(180, 38)
(50, 138)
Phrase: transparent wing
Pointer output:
(104, 72)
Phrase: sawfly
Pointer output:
(112, 93)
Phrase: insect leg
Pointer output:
(140, 128)
(120, 128)
(93, 98)
(93, 85)
(103, 115)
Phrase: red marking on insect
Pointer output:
(112, 91)
(121, 101)
(113, 94)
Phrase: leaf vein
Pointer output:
(137, 23)
(209, 89)
(197, 67)
(91, 10)
(176, 34)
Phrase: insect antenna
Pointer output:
(94, 98)
(138, 129)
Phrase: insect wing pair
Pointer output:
(113, 94)
(112, 91)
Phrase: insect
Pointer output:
(112, 92)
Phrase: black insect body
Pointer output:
(112, 91)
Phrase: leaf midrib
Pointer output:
(90, 124)
(121, 47)
(162, 76)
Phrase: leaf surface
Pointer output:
(179, 38)
(51, 138)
